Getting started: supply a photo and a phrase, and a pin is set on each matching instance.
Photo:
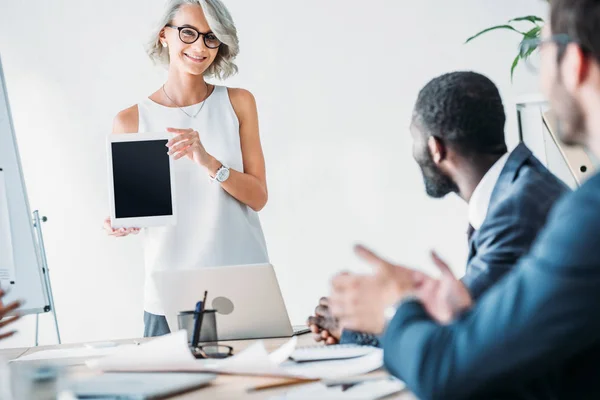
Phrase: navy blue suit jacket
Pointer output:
(519, 207)
(520, 204)
(533, 335)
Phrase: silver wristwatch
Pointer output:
(222, 174)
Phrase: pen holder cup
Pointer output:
(208, 328)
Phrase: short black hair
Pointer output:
(464, 110)
(580, 20)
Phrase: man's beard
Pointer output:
(571, 125)
(437, 184)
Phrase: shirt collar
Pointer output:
(480, 200)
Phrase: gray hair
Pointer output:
(220, 22)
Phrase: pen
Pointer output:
(287, 382)
(355, 381)
(200, 306)
(197, 324)
(204, 300)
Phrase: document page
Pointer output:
(171, 353)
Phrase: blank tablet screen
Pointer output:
(142, 179)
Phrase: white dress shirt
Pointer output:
(480, 200)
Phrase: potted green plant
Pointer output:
(530, 32)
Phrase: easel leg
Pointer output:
(56, 324)
(45, 273)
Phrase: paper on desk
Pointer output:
(166, 353)
(370, 390)
(255, 360)
(337, 368)
(171, 353)
(284, 352)
(78, 352)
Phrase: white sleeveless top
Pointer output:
(213, 228)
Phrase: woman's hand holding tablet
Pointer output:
(118, 232)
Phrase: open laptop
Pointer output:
(247, 299)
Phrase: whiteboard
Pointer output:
(28, 284)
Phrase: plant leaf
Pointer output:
(528, 53)
(514, 65)
(492, 29)
(531, 18)
(528, 45)
(533, 33)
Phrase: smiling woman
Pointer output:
(220, 169)
(222, 35)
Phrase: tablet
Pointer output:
(141, 180)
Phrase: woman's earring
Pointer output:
(164, 44)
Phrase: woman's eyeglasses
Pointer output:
(212, 351)
(189, 35)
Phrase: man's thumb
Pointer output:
(379, 265)
(442, 266)
(418, 278)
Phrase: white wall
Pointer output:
(335, 82)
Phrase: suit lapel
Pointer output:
(472, 247)
(509, 173)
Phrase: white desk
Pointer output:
(225, 386)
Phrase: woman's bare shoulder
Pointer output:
(241, 97)
(243, 102)
(127, 120)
